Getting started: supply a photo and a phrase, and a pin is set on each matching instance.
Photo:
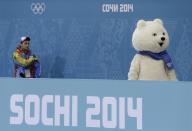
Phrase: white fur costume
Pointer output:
(148, 37)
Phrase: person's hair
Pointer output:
(26, 39)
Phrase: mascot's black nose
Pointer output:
(162, 38)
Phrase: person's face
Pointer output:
(25, 44)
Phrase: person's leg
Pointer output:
(37, 69)
(20, 72)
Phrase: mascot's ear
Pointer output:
(141, 24)
(159, 21)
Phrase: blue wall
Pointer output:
(74, 39)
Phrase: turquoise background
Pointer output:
(74, 39)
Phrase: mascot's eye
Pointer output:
(154, 34)
(163, 33)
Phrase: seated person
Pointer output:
(26, 65)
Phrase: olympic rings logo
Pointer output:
(38, 8)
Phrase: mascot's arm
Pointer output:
(134, 68)
(21, 61)
(172, 75)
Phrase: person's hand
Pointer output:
(33, 57)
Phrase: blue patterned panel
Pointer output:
(74, 39)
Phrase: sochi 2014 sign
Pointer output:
(94, 105)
